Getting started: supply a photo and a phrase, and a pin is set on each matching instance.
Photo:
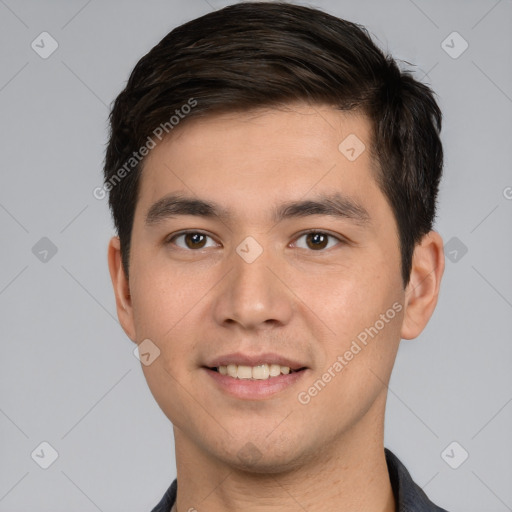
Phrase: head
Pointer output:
(245, 113)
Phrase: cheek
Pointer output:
(352, 299)
(160, 300)
(362, 311)
(162, 305)
(167, 308)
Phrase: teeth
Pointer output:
(244, 372)
(275, 370)
(260, 372)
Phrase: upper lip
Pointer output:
(254, 360)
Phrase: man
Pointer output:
(273, 180)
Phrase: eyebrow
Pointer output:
(334, 205)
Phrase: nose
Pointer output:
(253, 294)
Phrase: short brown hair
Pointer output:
(266, 54)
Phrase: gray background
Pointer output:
(68, 374)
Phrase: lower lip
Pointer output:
(254, 389)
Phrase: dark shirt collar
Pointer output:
(409, 497)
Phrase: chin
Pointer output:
(259, 456)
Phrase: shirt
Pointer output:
(409, 497)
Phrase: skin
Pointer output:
(301, 301)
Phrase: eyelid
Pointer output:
(169, 239)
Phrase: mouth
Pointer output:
(262, 371)
(254, 376)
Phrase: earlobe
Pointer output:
(121, 288)
(423, 289)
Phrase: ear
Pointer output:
(121, 288)
(423, 288)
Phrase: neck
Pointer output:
(347, 475)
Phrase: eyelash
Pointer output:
(170, 240)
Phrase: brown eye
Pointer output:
(195, 240)
(191, 240)
(316, 240)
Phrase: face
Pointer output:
(288, 256)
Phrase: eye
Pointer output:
(193, 240)
(317, 240)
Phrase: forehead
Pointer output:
(309, 132)
(263, 155)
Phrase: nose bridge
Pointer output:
(252, 295)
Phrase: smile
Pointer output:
(259, 372)
(254, 382)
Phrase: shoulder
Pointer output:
(408, 495)
(168, 499)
